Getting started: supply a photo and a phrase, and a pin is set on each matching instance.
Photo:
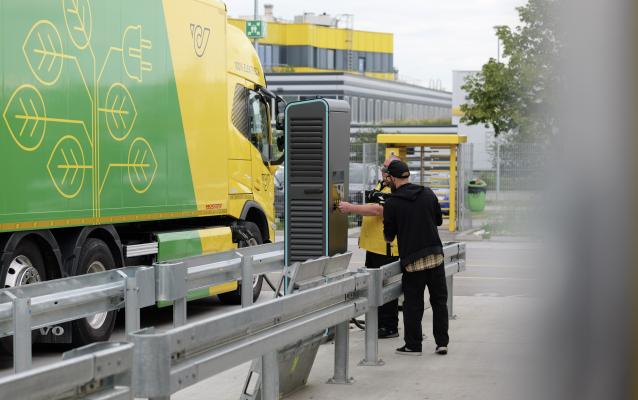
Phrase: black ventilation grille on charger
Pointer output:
(305, 171)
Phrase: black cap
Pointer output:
(398, 169)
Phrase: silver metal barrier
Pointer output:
(294, 361)
(324, 294)
(175, 279)
(29, 307)
(43, 304)
(96, 371)
(170, 361)
(385, 286)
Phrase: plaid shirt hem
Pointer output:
(427, 262)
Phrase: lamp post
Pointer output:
(256, 15)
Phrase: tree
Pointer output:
(515, 96)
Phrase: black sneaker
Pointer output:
(408, 352)
(442, 350)
(385, 333)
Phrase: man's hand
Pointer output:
(345, 207)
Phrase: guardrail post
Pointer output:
(246, 281)
(21, 333)
(375, 290)
(269, 376)
(131, 304)
(170, 285)
(179, 312)
(342, 339)
(449, 281)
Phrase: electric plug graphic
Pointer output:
(134, 49)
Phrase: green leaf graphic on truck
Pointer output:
(113, 114)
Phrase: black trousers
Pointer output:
(414, 284)
(389, 312)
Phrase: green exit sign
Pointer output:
(256, 29)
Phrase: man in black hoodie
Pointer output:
(412, 214)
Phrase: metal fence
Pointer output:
(515, 175)
(512, 166)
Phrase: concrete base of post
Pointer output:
(366, 363)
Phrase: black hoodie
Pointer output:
(412, 214)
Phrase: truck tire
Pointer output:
(25, 266)
(255, 239)
(94, 257)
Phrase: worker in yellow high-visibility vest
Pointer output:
(378, 253)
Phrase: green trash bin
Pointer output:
(476, 195)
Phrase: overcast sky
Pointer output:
(431, 37)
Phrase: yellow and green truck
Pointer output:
(131, 132)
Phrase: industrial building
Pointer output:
(323, 56)
(317, 43)
(372, 101)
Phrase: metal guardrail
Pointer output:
(175, 280)
(49, 303)
(43, 304)
(97, 371)
(173, 360)
(166, 362)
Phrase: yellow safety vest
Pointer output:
(371, 236)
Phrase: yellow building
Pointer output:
(313, 43)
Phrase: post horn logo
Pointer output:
(200, 39)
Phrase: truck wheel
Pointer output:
(23, 267)
(254, 239)
(94, 257)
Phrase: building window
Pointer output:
(268, 55)
(362, 65)
(330, 59)
(370, 111)
(362, 110)
(276, 57)
(354, 104)
(265, 52)
(377, 111)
